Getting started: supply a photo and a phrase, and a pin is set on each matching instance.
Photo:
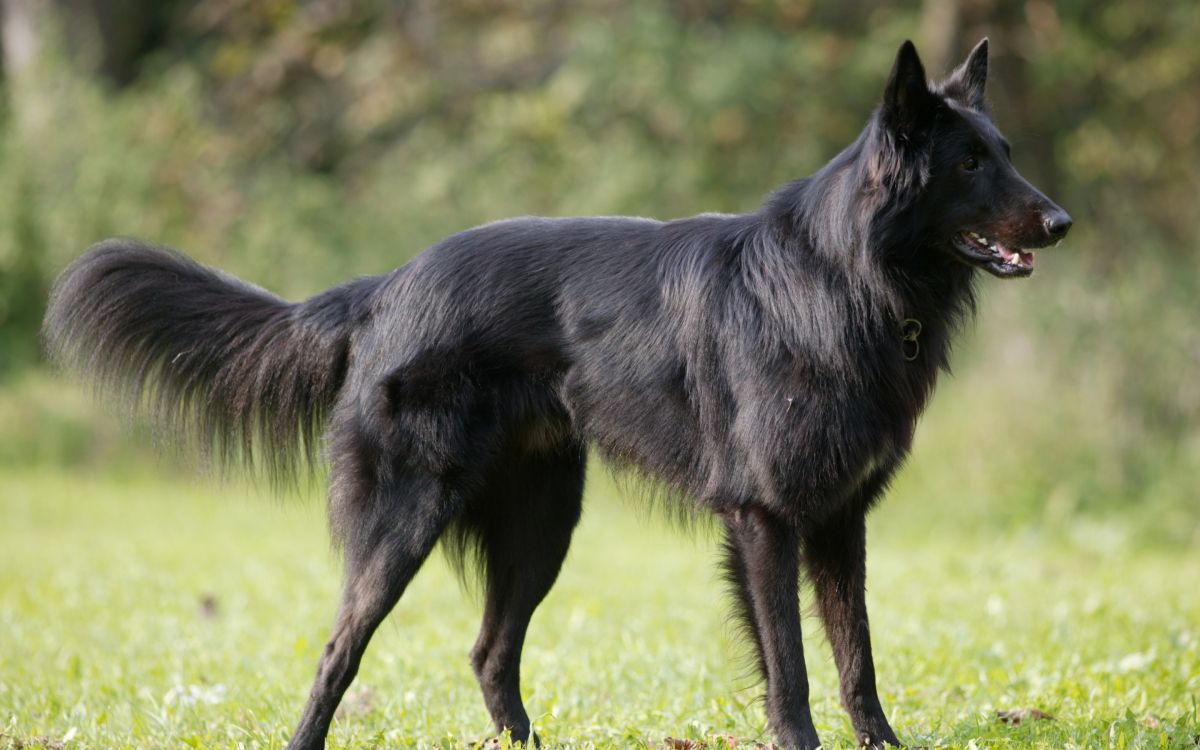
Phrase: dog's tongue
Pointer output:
(1015, 257)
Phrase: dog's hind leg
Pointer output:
(835, 556)
(764, 560)
(523, 524)
(394, 525)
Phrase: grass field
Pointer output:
(142, 611)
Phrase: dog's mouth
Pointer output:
(994, 257)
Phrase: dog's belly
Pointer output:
(639, 422)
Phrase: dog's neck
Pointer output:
(839, 236)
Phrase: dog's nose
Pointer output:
(1056, 222)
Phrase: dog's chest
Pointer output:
(824, 441)
(858, 431)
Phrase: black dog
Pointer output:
(769, 366)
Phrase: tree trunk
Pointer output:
(940, 28)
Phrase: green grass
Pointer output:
(103, 638)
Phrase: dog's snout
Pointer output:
(1056, 223)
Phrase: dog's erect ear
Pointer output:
(908, 105)
(968, 82)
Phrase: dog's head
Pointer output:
(973, 205)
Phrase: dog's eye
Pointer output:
(970, 164)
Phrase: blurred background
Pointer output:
(297, 144)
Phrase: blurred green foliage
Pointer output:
(300, 143)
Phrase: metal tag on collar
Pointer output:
(910, 331)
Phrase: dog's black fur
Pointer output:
(768, 366)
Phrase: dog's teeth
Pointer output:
(1014, 259)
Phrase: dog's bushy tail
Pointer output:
(247, 375)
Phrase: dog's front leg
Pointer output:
(764, 565)
(835, 556)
